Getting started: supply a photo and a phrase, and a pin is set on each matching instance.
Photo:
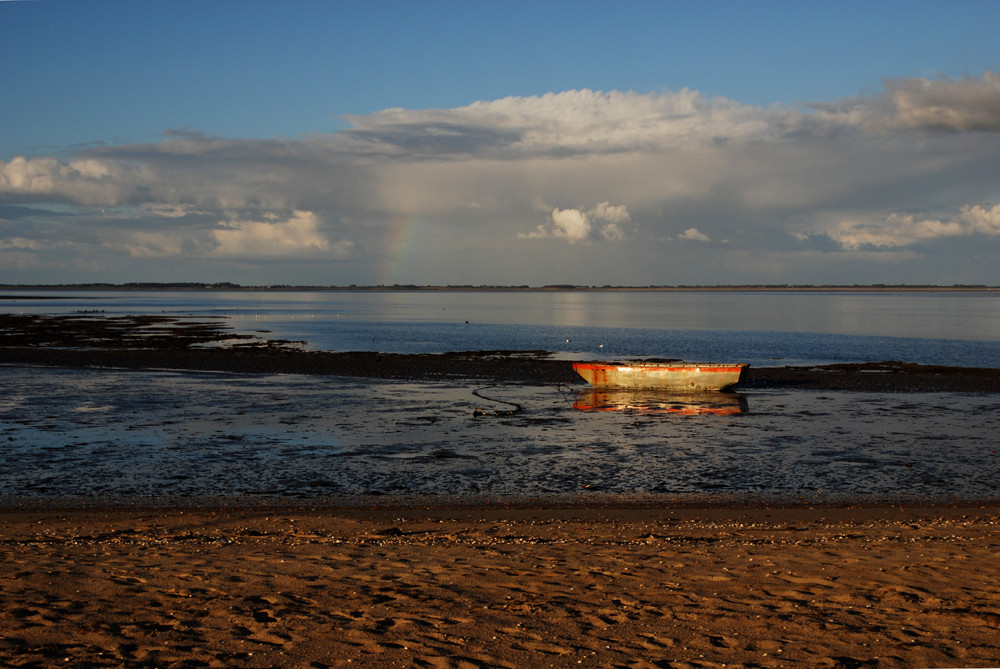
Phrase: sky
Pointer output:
(500, 143)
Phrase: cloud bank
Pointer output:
(578, 186)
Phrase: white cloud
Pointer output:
(899, 230)
(569, 122)
(298, 234)
(570, 224)
(892, 230)
(608, 212)
(576, 226)
(981, 219)
(84, 181)
(273, 235)
(693, 235)
(612, 232)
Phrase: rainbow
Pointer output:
(400, 239)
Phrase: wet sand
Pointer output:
(514, 587)
(93, 436)
(500, 585)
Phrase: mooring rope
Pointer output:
(496, 412)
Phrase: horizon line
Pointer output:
(226, 285)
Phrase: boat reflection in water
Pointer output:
(661, 402)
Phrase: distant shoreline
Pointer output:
(749, 288)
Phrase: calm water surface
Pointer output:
(760, 328)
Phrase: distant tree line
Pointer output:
(226, 285)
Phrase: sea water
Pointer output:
(762, 328)
(77, 436)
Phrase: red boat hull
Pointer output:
(671, 376)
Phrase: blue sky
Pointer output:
(500, 142)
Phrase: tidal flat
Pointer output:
(104, 436)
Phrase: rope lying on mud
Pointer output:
(497, 412)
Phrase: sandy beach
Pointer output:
(503, 587)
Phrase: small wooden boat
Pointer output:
(666, 375)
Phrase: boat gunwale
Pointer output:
(663, 365)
